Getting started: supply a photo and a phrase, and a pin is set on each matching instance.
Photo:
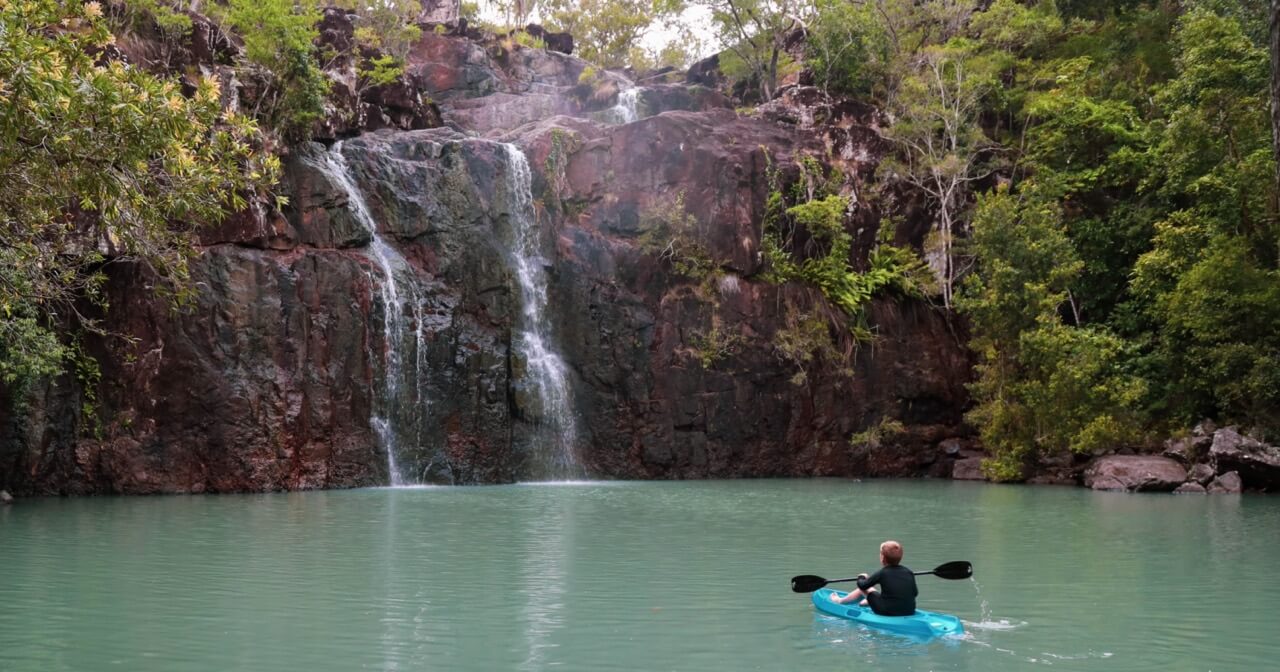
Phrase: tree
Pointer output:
(942, 149)
(1043, 387)
(100, 163)
(1274, 35)
(756, 31)
(847, 47)
(606, 32)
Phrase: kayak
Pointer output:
(925, 624)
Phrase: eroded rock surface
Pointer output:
(1134, 473)
(1257, 463)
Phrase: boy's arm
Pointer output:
(867, 581)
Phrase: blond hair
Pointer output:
(892, 552)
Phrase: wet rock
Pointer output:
(1189, 488)
(5, 498)
(1226, 484)
(1134, 473)
(1257, 463)
(968, 469)
(1200, 473)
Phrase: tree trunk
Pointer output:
(1275, 87)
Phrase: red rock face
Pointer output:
(271, 378)
(634, 329)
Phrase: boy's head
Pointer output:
(891, 553)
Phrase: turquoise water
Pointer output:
(633, 576)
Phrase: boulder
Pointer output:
(1226, 484)
(1190, 487)
(1200, 473)
(1257, 463)
(951, 446)
(968, 469)
(1134, 473)
(1188, 449)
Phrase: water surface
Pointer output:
(632, 576)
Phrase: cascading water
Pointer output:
(544, 373)
(627, 109)
(395, 325)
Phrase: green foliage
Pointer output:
(528, 41)
(670, 232)
(879, 434)
(171, 22)
(1043, 387)
(806, 342)
(98, 162)
(827, 267)
(386, 27)
(279, 38)
(848, 47)
(943, 151)
(606, 33)
(715, 344)
(753, 34)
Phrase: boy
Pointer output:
(897, 594)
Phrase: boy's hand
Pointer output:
(862, 575)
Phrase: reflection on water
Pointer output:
(630, 576)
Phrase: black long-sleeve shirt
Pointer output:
(897, 591)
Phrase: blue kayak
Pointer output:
(924, 624)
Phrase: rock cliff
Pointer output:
(375, 325)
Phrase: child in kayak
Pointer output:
(897, 594)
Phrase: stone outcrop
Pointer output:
(1134, 473)
(1257, 464)
(1192, 448)
(1200, 473)
(1228, 484)
(968, 469)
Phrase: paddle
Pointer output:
(960, 569)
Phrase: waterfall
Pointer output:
(544, 372)
(626, 110)
(388, 415)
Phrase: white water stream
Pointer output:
(388, 416)
(544, 369)
(626, 110)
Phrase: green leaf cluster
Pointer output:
(279, 45)
(1128, 284)
(808, 243)
(100, 162)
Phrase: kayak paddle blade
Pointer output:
(960, 569)
(807, 583)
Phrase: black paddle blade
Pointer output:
(807, 583)
(960, 569)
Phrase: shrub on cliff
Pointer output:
(100, 163)
(279, 45)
